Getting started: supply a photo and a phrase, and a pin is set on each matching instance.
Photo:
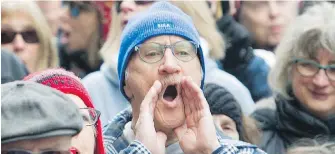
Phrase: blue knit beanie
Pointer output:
(162, 18)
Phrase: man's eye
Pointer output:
(183, 53)
(152, 53)
(226, 128)
(85, 118)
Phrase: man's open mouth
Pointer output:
(170, 93)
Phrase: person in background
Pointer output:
(228, 116)
(53, 12)
(161, 72)
(303, 81)
(37, 119)
(89, 140)
(25, 32)
(12, 67)
(266, 20)
(241, 59)
(81, 37)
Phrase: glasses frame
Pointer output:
(94, 123)
(137, 48)
(317, 65)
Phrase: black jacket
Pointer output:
(288, 123)
(240, 59)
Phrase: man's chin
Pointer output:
(169, 119)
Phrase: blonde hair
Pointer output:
(48, 56)
(311, 31)
(312, 146)
(111, 47)
(205, 24)
(202, 18)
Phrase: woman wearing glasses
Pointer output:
(25, 32)
(89, 140)
(304, 81)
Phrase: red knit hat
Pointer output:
(68, 83)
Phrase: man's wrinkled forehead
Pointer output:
(165, 39)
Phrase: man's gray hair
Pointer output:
(312, 31)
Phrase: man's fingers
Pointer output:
(180, 131)
(161, 141)
(149, 101)
(186, 104)
(200, 101)
(188, 97)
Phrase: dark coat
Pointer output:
(289, 122)
(240, 59)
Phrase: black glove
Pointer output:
(239, 51)
(225, 7)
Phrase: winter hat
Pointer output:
(32, 111)
(221, 101)
(68, 83)
(162, 18)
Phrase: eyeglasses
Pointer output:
(154, 52)
(309, 68)
(137, 2)
(30, 152)
(29, 36)
(77, 7)
(90, 116)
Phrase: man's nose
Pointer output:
(127, 6)
(273, 9)
(321, 79)
(18, 43)
(169, 63)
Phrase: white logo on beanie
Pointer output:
(164, 25)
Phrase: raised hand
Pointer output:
(144, 129)
(198, 134)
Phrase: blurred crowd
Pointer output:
(172, 77)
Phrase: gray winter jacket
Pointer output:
(103, 87)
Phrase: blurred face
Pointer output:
(130, 8)
(85, 140)
(169, 112)
(226, 125)
(53, 11)
(19, 36)
(315, 92)
(79, 25)
(267, 20)
(59, 143)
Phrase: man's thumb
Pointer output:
(161, 141)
